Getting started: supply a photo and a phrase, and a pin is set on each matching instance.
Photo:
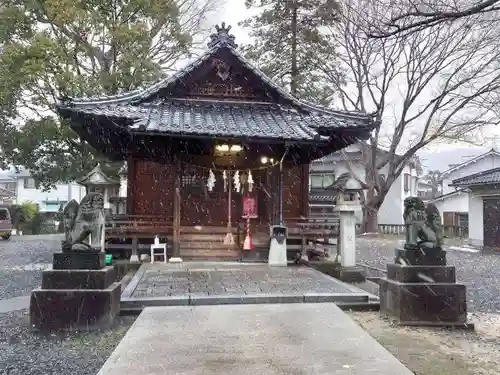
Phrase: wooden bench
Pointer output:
(139, 229)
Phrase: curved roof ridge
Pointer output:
(138, 95)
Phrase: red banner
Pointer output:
(250, 207)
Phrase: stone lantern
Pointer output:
(96, 181)
(348, 191)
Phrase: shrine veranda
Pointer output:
(212, 144)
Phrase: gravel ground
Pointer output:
(21, 261)
(430, 351)
(23, 352)
(479, 272)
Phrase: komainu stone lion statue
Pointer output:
(424, 233)
(84, 224)
(423, 224)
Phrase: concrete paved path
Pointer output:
(283, 339)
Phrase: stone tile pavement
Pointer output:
(159, 280)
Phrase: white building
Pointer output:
(47, 201)
(323, 173)
(484, 206)
(454, 203)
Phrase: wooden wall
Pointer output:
(296, 194)
(152, 194)
(152, 187)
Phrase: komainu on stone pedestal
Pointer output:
(420, 289)
(79, 292)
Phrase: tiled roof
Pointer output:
(446, 196)
(490, 176)
(128, 104)
(323, 198)
(220, 119)
(97, 177)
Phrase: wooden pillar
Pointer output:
(130, 186)
(305, 190)
(177, 211)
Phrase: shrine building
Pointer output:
(201, 140)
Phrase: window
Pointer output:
(192, 183)
(29, 183)
(4, 214)
(407, 182)
(11, 186)
(322, 180)
(95, 189)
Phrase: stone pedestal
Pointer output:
(425, 295)
(78, 260)
(277, 246)
(76, 299)
(347, 243)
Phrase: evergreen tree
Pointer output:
(288, 43)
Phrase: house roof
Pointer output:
(358, 155)
(490, 176)
(468, 162)
(449, 195)
(154, 110)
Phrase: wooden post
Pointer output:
(229, 239)
(134, 257)
(177, 213)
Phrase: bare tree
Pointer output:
(420, 88)
(415, 16)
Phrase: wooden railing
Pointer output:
(119, 229)
(454, 231)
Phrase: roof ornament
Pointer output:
(222, 36)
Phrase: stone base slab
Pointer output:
(74, 309)
(245, 299)
(419, 274)
(78, 279)
(351, 274)
(432, 257)
(436, 304)
(79, 261)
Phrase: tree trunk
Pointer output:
(370, 220)
(294, 71)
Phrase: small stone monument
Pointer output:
(80, 292)
(420, 289)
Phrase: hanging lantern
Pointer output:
(236, 180)
(224, 177)
(250, 181)
(211, 181)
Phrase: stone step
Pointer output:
(209, 254)
(197, 237)
(199, 229)
(205, 245)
